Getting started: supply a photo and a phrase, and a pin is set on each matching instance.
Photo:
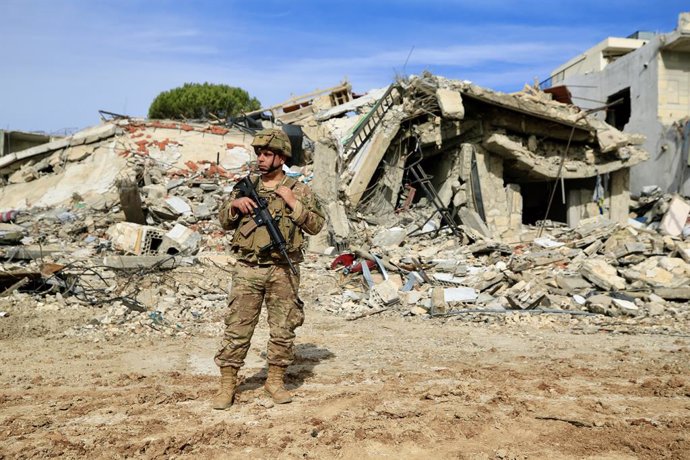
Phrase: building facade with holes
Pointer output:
(646, 79)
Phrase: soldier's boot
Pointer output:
(274, 385)
(226, 392)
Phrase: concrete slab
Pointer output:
(676, 217)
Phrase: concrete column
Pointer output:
(575, 207)
(619, 201)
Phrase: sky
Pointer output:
(63, 60)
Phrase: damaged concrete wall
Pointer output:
(658, 81)
(362, 167)
(480, 149)
(95, 174)
(494, 199)
(90, 161)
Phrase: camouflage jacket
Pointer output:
(249, 238)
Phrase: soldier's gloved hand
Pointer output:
(288, 195)
(244, 205)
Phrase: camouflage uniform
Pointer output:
(265, 276)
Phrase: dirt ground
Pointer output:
(386, 386)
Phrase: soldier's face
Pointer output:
(268, 160)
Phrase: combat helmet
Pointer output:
(273, 139)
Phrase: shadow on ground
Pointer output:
(307, 357)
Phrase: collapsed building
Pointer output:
(483, 156)
(476, 156)
(646, 79)
(432, 184)
(90, 162)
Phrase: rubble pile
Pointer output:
(437, 194)
(143, 245)
(487, 159)
(599, 267)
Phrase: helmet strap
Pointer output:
(273, 165)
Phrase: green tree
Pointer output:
(201, 100)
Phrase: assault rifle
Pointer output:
(262, 216)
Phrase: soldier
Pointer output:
(264, 275)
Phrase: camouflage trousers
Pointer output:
(251, 286)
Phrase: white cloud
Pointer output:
(69, 58)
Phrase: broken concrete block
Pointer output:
(154, 191)
(459, 294)
(680, 293)
(32, 252)
(208, 187)
(545, 258)
(675, 265)
(177, 182)
(77, 153)
(485, 298)
(668, 272)
(96, 201)
(450, 102)
(438, 301)
(602, 274)
(130, 201)
(351, 295)
(389, 237)
(593, 248)
(654, 298)
(387, 291)
(655, 308)
(489, 279)
(601, 304)
(547, 243)
(526, 295)
(419, 311)
(134, 238)
(460, 198)
(338, 222)
(572, 284)
(162, 212)
(180, 240)
(201, 211)
(411, 297)
(180, 206)
(683, 250)
(149, 298)
(676, 217)
(21, 176)
(473, 220)
(447, 278)
(626, 249)
(626, 307)
(611, 139)
(11, 233)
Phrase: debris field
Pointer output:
(487, 286)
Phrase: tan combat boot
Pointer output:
(274, 385)
(226, 393)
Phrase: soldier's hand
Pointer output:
(288, 195)
(244, 205)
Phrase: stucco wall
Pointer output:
(674, 86)
(643, 71)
